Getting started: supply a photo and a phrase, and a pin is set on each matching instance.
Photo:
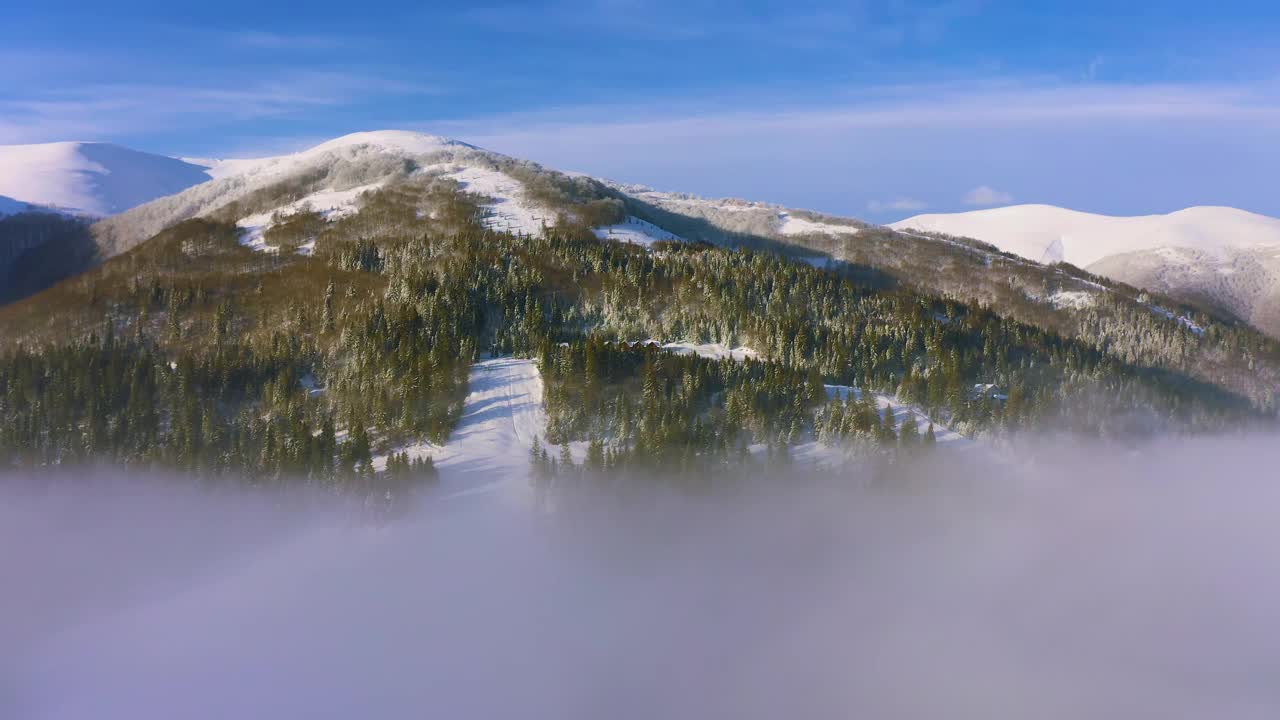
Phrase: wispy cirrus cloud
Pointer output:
(103, 110)
(267, 40)
(908, 106)
(799, 25)
(986, 196)
(900, 204)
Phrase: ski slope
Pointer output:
(509, 208)
(489, 450)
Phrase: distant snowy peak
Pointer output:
(89, 178)
(1045, 233)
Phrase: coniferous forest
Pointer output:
(195, 352)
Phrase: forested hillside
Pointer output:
(351, 336)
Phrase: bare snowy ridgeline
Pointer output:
(1073, 582)
(687, 215)
(121, 232)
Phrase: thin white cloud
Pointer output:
(785, 25)
(100, 111)
(1091, 72)
(986, 196)
(265, 40)
(899, 204)
(979, 106)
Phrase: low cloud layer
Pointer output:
(1066, 583)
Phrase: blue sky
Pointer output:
(878, 109)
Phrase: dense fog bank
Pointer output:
(1077, 581)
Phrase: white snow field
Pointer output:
(1047, 234)
(87, 178)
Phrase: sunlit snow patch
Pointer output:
(714, 351)
(636, 232)
(790, 225)
(1074, 299)
(330, 204)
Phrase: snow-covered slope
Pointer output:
(90, 178)
(732, 215)
(509, 208)
(791, 226)
(502, 418)
(1242, 281)
(1045, 233)
(331, 204)
(334, 169)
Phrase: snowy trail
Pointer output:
(502, 415)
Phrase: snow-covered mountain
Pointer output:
(88, 178)
(1047, 234)
(1213, 255)
(1219, 256)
